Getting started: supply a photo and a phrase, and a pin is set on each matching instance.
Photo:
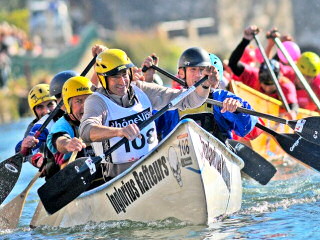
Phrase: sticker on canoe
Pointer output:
(299, 125)
(91, 166)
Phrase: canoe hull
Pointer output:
(190, 176)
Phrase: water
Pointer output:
(286, 208)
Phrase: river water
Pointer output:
(286, 208)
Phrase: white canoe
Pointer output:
(191, 176)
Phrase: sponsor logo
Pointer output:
(299, 125)
(11, 167)
(82, 89)
(296, 143)
(135, 118)
(215, 159)
(140, 183)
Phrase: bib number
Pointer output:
(138, 143)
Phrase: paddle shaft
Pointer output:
(273, 76)
(167, 74)
(251, 112)
(171, 104)
(306, 85)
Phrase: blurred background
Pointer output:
(39, 38)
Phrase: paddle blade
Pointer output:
(9, 173)
(308, 128)
(65, 186)
(301, 149)
(255, 166)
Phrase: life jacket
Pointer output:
(204, 117)
(120, 117)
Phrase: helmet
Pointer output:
(75, 86)
(194, 57)
(110, 62)
(309, 64)
(216, 62)
(58, 80)
(39, 94)
(264, 75)
(249, 55)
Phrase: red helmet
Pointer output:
(249, 55)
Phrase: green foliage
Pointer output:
(19, 18)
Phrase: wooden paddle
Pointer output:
(304, 82)
(297, 147)
(10, 168)
(11, 212)
(76, 177)
(308, 128)
(273, 76)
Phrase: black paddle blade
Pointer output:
(255, 166)
(301, 149)
(308, 128)
(9, 173)
(65, 186)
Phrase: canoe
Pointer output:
(265, 145)
(190, 176)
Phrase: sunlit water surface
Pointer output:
(286, 208)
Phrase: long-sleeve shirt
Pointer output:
(95, 109)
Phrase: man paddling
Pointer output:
(116, 108)
(64, 135)
(40, 103)
(218, 121)
(259, 78)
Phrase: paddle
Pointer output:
(76, 177)
(306, 85)
(273, 76)
(11, 212)
(308, 128)
(10, 168)
(255, 166)
(297, 147)
(258, 174)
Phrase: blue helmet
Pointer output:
(216, 62)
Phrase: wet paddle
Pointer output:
(304, 82)
(297, 147)
(11, 212)
(10, 168)
(308, 128)
(76, 177)
(255, 166)
(273, 76)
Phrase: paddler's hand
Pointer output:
(250, 31)
(131, 132)
(96, 49)
(75, 144)
(230, 105)
(29, 142)
(213, 77)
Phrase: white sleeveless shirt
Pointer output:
(121, 117)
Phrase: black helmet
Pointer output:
(194, 57)
(58, 80)
(264, 75)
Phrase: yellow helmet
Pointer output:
(309, 64)
(110, 62)
(39, 94)
(75, 86)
